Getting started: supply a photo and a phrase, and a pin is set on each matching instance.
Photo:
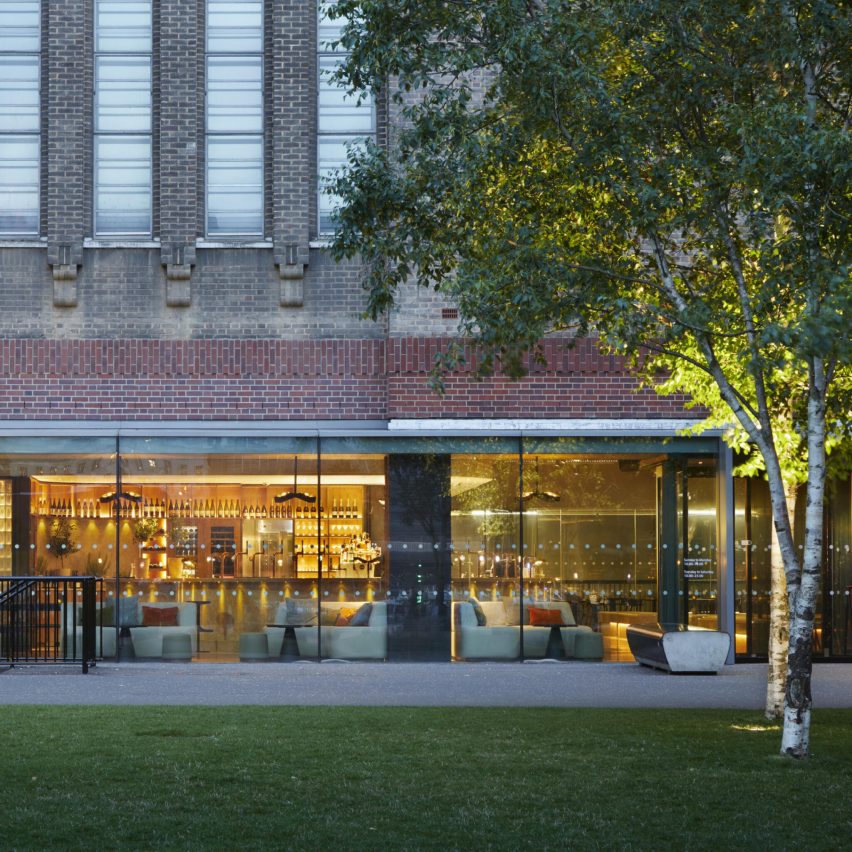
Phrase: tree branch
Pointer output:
(653, 347)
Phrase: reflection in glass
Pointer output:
(697, 557)
(587, 548)
(752, 559)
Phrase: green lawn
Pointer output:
(417, 778)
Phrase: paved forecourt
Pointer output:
(402, 684)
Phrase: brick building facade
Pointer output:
(166, 295)
(175, 309)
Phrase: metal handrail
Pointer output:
(40, 619)
(14, 590)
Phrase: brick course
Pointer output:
(145, 379)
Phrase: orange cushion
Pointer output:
(344, 615)
(159, 616)
(545, 617)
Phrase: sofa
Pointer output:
(351, 630)
(494, 633)
(147, 636)
(147, 622)
(71, 647)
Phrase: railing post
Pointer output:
(11, 635)
(88, 621)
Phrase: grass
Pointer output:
(417, 778)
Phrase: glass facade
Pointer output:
(753, 528)
(20, 117)
(752, 548)
(396, 548)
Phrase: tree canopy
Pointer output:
(671, 176)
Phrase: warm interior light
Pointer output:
(132, 496)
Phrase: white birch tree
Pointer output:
(671, 176)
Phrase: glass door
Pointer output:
(687, 529)
(697, 554)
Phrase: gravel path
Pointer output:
(425, 684)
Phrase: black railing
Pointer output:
(50, 620)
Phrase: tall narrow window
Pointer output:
(20, 39)
(344, 120)
(122, 117)
(234, 119)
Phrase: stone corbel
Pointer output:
(178, 259)
(291, 273)
(65, 260)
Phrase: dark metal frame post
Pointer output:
(521, 537)
(725, 558)
(88, 650)
(319, 550)
(683, 596)
(749, 561)
(117, 516)
(667, 582)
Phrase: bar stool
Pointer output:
(254, 648)
(177, 647)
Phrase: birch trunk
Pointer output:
(803, 588)
(779, 614)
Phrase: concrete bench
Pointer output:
(673, 648)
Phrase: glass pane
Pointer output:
(339, 111)
(234, 185)
(697, 556)
(19, 93)
(231, 541)
(486, 557)
(234, 94)
(837, 579)
(123, 26)
(46, 531)
(19, 180)
(123, 94)
(742, 554)
(123, 185)
(752, 557)
(332, 156)
(590, 540)
(347, 538)
(19, 26)
(328, 30)
(234, 27)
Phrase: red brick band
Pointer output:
(145, 379)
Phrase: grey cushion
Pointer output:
(480, 615)
(362, 617)
(128, 612)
